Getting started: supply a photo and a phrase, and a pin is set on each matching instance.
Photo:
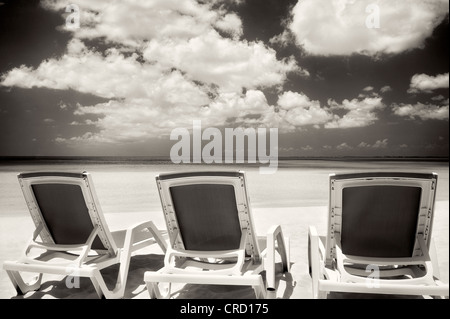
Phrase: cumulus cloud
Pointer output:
(232, 66)
(237, 2)
(109, 75)
(380, 144)
(231, 24)
(182, 62)
(298, 110)
(344, 147)
(360, 113)
(386, 89)
(427, 84)
(130, 22)
(377, 145)
(227, 63)
(364, 145)
(169, 62)
(421, 111)
(438, 98)
(344, 27)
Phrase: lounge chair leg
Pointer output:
(155, 292)
(151, 290)
(102, 290)
(434, 259)
(275, 242)
(20, 285)
(322, 295)
(157, 236)
(314, 262)
(287, 245)
(98, 288)
(119, 290)
(260, 291)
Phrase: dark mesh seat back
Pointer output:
(380, 221)
(207, 216)
(65, 213)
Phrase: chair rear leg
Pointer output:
(283, 249)
(434, 260)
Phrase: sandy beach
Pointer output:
(128, 196)
(295, 285)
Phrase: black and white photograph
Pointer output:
(238, 150)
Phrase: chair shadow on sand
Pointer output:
(285, 285)
(139, 264)
(349, 295)
(83, 289)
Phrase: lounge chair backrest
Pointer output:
(207, 211)
(65, 205)
(380, 214)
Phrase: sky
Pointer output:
(115, 78)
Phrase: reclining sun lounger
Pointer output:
(75, 239)
(212, 236)
(379, 238)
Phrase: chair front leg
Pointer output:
(260, 291)
(315, 263)
(275, 242)
(20, 285)
(155, 292)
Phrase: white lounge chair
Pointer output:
(74, 236)
(212, 236)
(379, 237)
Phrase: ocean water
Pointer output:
(129, 186)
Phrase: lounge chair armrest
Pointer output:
(84, 248)
(405, 261)
(155, 233)
(224, 254)
(371, 262)
(37, 231)
(274, 230)
(238, 254)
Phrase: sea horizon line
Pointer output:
(112, 158)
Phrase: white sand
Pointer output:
(16, 231)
